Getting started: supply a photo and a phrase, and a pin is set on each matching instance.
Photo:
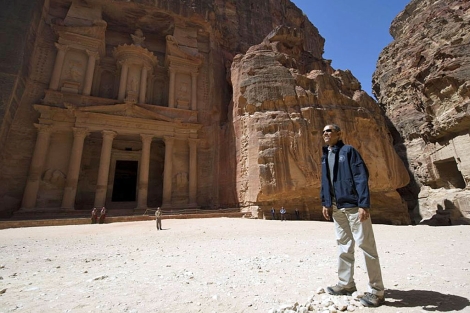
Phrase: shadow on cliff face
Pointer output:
(447, 216)
(410, 192)
(425, 300)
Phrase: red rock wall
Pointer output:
(422, 81)
(279, 111)
(259, 142)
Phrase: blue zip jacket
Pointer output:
(350, 178)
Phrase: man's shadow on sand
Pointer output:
(426, 300)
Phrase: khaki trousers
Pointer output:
(349, 232)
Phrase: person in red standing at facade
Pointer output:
(102, 215)
(94, 215)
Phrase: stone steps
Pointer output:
(81, 217)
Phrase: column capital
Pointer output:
(44, 128)
(123, 63)
(80, 132)
(61, 47)
(109, 134)
(193, 141)
(92, 53)
(146, 137)
(168, 139)
(194, 74)
(148, 68)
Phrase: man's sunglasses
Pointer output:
(328, 130)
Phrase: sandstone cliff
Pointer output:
(282, 98)
(260, 103)
(216, 29)
(422, 81)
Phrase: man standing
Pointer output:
(283, 214)
(345, 193)
(158, 218)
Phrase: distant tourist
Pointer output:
(273, 213)
(158, 218)
(102, 215)
(297, 214)
(283, 214)
(345, 193)
(94, 215)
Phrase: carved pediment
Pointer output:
(124, 109)
(83, 27)
(174, 50)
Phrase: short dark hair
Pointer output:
(336, 127)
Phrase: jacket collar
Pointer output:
(335, 148)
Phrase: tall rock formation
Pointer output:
(282, 98)
(132, 104)
(422, 81)
(160, 67)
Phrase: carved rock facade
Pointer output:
(123, 103)
(112, 129)
(136, 104)
(423, 82)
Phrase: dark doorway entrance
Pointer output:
(125, 181)
(449, 174)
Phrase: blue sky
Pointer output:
(355, 32)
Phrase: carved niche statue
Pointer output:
(138, 38)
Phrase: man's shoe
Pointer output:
(372, 300)
(340, 290)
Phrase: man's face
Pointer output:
(330, 135)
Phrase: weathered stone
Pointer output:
(422, 82)
(278, 112)
(95, 85)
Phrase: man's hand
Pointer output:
(363, 214)
(326, 213)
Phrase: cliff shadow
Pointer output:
(410, 192)
(447, 216)
(425, 300)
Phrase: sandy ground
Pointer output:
(221, 265)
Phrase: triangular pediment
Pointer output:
(175, 51)
(125, 109)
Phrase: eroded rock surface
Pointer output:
(198, 37)
(423, 82)
(260, 149)
(283, 96)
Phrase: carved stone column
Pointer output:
(103, 172)
(144, 171)
(37, 166)
(59, 63)
(143, 84)
(70, 190)
(194, 91)
(171, 96)
(90, 69)
(123, 81)
(193, 171)
(168, 172)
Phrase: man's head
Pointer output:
(331, 134)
